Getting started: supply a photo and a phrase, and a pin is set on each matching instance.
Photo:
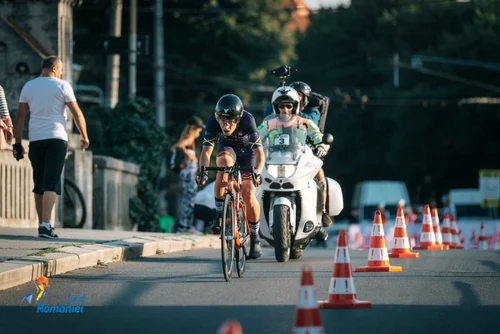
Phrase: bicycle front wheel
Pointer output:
(227, 237)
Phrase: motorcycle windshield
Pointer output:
(284, 139)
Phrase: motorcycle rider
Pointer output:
(313, 114)
(238, 141)
(286, 103)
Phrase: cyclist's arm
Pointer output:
(259, 159)
(205, 154)
(208, 142)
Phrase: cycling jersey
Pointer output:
(245, 136)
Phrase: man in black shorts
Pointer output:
(45, 98)
(238, 141)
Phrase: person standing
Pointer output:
(6, 133)
(188, 165)
(45, 99)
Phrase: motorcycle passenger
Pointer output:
(313, 114)
(286, 102)
(238, 141)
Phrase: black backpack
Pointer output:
(321, 103)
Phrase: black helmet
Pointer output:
(305, 89)
(229, 106)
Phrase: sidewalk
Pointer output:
(24, 256)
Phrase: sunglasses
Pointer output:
(287, 106)
(223, 120)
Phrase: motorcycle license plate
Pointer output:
(283, 139)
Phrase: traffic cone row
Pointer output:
(341, 291)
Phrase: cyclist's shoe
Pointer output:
(47, 232)
(215, 227)
(326, 220)
(255, 249)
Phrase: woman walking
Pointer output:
(185, 154)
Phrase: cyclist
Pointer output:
(286, 103)
(238, 141)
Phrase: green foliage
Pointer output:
(417, 132)
(132, 134)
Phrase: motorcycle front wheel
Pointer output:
(281, 233)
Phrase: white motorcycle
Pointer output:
(290, 199)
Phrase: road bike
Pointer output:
(234, 228)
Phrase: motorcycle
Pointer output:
(289, 197)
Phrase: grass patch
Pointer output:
(45, 251)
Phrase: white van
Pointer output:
(368, 195)
(467, 203)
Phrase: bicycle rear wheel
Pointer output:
(242, 250)
(74, 206)
(227, 237)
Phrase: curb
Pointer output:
(69, 258)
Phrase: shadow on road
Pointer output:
(381, 319)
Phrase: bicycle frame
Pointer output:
(233, 188)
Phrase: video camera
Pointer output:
(282, 72)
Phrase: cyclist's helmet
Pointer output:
(229, 106)
(283, 95)
(305, 89)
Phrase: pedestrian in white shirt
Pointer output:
(46, 98)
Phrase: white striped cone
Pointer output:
(446, 230)
(307, 315)
(308, 298)
(341, 292)
(378, 257)
(437, 230)
(482, 243)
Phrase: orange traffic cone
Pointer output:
(230, 327)
(378, 259)
(437, 230)
(455, 239)
(482, 242)
(341, 293)
(446, 232)
(307, 315)
(427, 239)
(401, 247)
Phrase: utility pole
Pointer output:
(113, 69)
(132, 70)
(159, 66)
(395, 61)
(160, 98)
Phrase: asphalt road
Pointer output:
(442, 292)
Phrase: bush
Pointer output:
(130, 133)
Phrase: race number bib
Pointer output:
(282, 139)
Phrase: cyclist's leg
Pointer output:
(225, 157)
(325, 219)
(246, 159)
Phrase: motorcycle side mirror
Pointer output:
(327, 138)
